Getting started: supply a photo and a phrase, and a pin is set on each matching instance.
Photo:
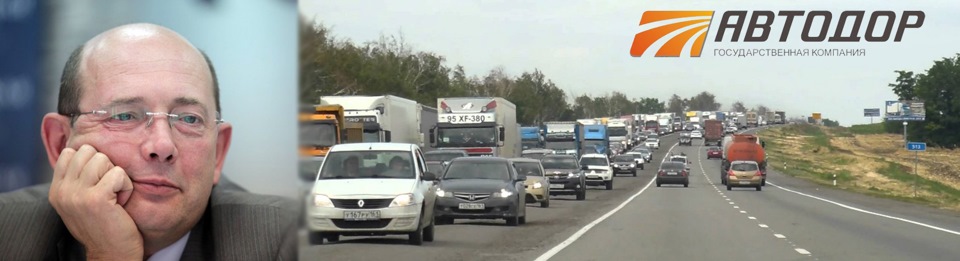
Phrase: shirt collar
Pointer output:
(171, 252)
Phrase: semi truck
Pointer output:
(530, 137)
(481, 126)
(385, 118)
(780, 117)
(563, 137)
(595, 140)
(653, 126)
(741, 121)
(753, 119)
(713, 132)
(619, 132)
(746, 147)
(321, 127)
(666, 122)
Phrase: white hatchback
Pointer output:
(372, 189)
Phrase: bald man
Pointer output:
(137, 147)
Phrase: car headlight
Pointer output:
(402, 200)
(537, 185)
(442, 194)
(633, 165)
(322, 201)
(573, 175)
(503, 193)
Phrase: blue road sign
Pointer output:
(916, 146)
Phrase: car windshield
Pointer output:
(558, 163)
(651, 140)
(744, 167)
(477, 170)
(367, 164)
(671, 166)
(318, 134)
(466, 137)
(623, 158)
(435, 167)
(679, 159)
(528, 169)
(441, 156)
(593, 161)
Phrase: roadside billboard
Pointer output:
(911, 110)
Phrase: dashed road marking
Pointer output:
(764, 225)
(779, 236)
(752, 218)
(802, 251)
(744, 212)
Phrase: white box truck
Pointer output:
(385, 118)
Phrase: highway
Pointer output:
(790, 219)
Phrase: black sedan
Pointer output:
(673, 173)
(481, 188)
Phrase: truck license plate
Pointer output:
(471, 206)
(556, 186)
(361, 215)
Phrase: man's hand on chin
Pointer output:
(89, 193)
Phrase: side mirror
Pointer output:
(521, 178)
(584, 167)
(429, 176)
(502, 134)
(433, 139)
(386, 136)
(308, 175)
(763, 144)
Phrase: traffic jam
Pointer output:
(387, 165)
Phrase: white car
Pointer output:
(653, 143)
(372, 189)
(696, 134)
(597, 169)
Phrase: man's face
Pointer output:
(173, 173)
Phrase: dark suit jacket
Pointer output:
(236, 225)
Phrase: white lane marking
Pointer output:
(764, 225)
(802, 251)
(725, 197)
(731, 203)
(573, 238)
(779, 236)
(736, 206)
(868, 212)
(743, 212)
(752, 217)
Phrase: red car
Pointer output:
(714, 152)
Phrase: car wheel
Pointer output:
(759, 188)
(545, 203)
(315, 238)
(609, 184)
(332, 237)
(641, 167)
(634, 172)
(416, 237)
(522, 220)
(582, 194)
(443, 221)
(763, 182)
(658, 184)
(513, 221)
(729, 188)
(686, 184)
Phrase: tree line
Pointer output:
(389, 66)
(939, 89)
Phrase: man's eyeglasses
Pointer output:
(188, 120)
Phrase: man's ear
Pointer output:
(223, 144)
(54, 131)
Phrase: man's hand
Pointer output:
(89, 192)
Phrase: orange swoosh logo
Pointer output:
(674, 46)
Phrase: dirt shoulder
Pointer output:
(874, 164)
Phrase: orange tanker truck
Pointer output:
(745, 147)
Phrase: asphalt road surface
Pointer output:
(790, 219)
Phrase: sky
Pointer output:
(584, 47)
